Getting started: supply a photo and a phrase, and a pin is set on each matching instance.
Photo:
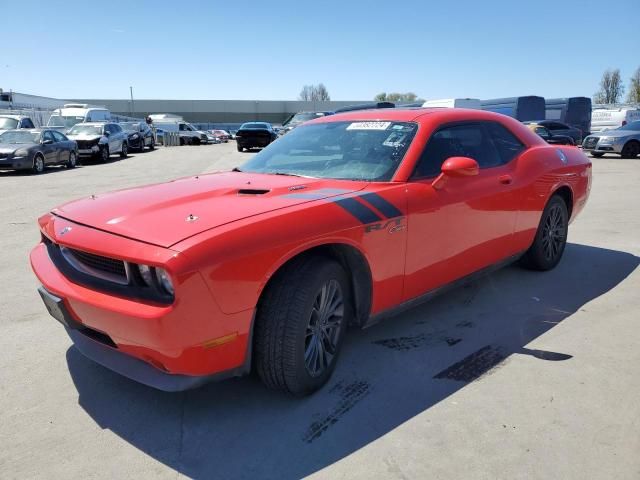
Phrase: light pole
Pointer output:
(133, 106)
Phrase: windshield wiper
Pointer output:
(288, 174)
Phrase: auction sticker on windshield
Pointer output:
(369, 126)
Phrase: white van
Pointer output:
(168, 122)
(473, 103)
(72, 113)
(611, 118)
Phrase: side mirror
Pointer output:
(47, 142)
(106, 134)
(456, 167)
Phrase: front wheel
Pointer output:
(631, 149)
(38, 164)
(72, 162)
(551, 237)
(301, 322)
(239, 148)
(597, 154)
(104, 154)
(152, 145)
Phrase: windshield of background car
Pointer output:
(62, 121)
(254, 126)
(130, 127)
(85, 130)
(635, 126)
(8, 123)
(342, 150)
(303, 117)
(20, 137)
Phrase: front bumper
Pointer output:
(16, 163)
(88, 152)
(602, 147)
(172, 341)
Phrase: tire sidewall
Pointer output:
(324, 273)
(537, 249)
(73, 160)
(37, 170)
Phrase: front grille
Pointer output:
(98, 262)
(591, 142)
(85, 144)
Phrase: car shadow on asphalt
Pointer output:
(387, 374)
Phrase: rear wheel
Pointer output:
(124, 150)
(71, 163)
(631, 149)
(300, 325)
(597, 154)
(38, 164)
(551, 237)
(239, 148)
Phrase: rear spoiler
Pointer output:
(366, 106)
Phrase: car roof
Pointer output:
(410, 114)
(93, 124)
(15, 117)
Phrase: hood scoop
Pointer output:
(252, 191)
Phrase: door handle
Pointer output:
(505, 179)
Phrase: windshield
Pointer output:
(302, 117)
(86, 130)
(340, 150)
(24, 136)
(8, 123)
(631, 126)
(64, 121)
(254, 126)
(130, 127)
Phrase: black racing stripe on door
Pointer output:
(385, 207)
(358, 210)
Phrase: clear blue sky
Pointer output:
(268, 50)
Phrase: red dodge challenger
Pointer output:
(345, 220)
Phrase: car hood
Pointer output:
(167, 213)
(83, 136)
(12, 147)
(615, 133)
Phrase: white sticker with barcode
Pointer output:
(369, 126)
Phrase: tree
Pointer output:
(396, 97)
(611, 88)
(314, 93)
(634, 88)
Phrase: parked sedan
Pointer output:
(624, 141)
(255, 134)
(139, 135)
(223, 135)
(559, 128)
(550, 137)
(35, 149)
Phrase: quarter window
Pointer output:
(506, 143)
(27, 123)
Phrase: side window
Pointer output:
(58, 136)
(465, 140)
(27, 123)
(107, 129)
(506, 143)
(115, 128)
(182, 127)
(48, 136)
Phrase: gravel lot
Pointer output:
(414, 397)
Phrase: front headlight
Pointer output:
(134, 136)
(157, 278)
(21, 152)
(164, 280)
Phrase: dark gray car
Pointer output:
(36, 149)
(559, 128)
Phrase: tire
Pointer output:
(239, 148)
(152, 145)
(124, 150)
(631, 149)
(38, 164)
(104, 154)
(181, 141)
(597, 154)
(72, 162)
(295, 330)
(551, 237)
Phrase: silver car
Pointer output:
(624, 141)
